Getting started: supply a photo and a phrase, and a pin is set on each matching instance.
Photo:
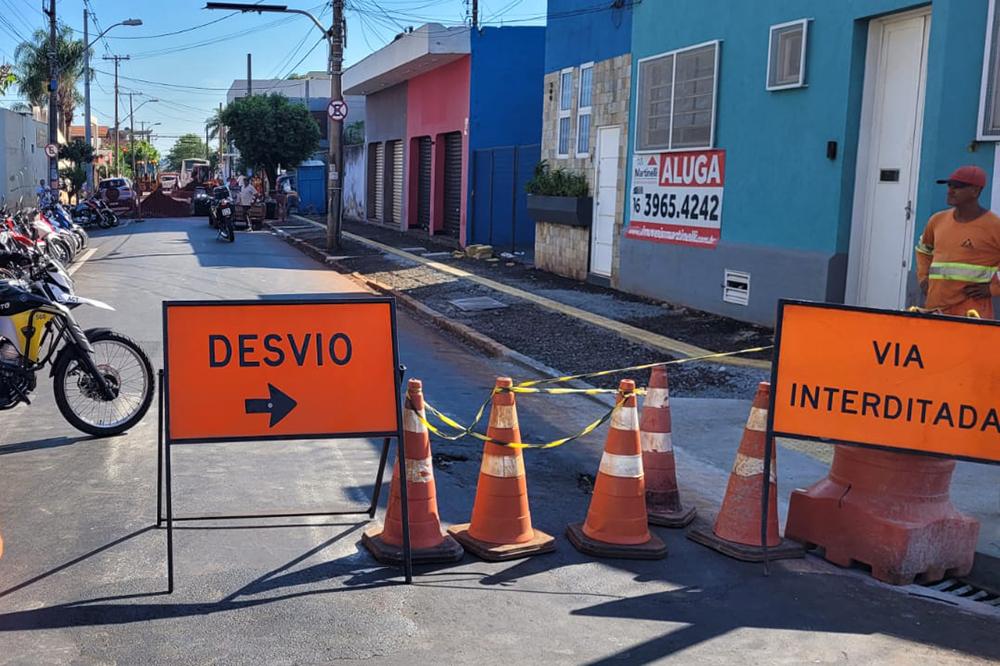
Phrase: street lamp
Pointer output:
(86, 81)
(335, 156)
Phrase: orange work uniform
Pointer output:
(952, 255)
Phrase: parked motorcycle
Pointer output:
(221, 214)
(103, 381)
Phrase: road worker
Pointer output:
(959, 252)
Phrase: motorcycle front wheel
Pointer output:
(126, 369)
(226, 230)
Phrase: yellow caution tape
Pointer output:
(644, 366)
(467, 431)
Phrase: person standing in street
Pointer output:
(959, 252)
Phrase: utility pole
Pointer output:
(131, 133)
(53, 92)
(249, 77)
(220, 132)
(117, 59)
(87, 138)
(475, 14)
(334, 129)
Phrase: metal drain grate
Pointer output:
(965, 590)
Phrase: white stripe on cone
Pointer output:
(657, 397)
(625, 418)
(502, 466)
(628, 467)
(748, 466)
(420, 471)
(412, 422)
(757, 421)
(656, 442)
(503, 416)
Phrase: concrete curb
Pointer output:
(466, 333)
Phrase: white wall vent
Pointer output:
(736, 287)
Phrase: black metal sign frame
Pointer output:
(164, 486)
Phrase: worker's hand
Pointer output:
(978, 290)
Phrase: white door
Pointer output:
(889, 160)
(602, 234)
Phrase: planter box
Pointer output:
(573, 211)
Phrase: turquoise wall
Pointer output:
(781, 189)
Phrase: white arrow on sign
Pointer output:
(337, 109)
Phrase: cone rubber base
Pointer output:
(783, 551)
(447, 551)
(654, 549)
(496, 552)
(680, 518)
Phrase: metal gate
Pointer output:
(453, 184)
(499, 207)
(424, 182)
(396, 205)
(376, 176)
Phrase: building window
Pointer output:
(786, 55)
(565, 110)
(676, 99)
(989, 97)
(583, 110)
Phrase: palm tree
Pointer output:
(32, 68)
(213, 124)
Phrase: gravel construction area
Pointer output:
(557, 340)
(680, 323)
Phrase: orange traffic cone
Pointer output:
(663, 500)
(616, 524)
(427, 543)
(737, 527)
(501, 520)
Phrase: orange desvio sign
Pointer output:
(923, 383)
(244, 370)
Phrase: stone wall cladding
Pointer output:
(612, 85)
(562, 249)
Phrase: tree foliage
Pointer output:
(7, 78)
(77, 151)
(32, 71)
(186, 147)
(270, 131)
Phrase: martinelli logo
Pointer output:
(651, 169)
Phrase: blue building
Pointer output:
(585, 126)
(789, 149)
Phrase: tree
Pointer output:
(79, 154)
(32, 70)
(7, 78)
(270, 131)
(186, 147)
(213, 124)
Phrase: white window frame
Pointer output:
(801, 83)
(715, 99)
(584, 110)
(984, 84)
(565, 113)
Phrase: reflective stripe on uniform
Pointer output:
(502, 466)
(952, 270)
(757, 421)
(656, 442)
(503, 416)
(419, 471)
(412, 421)
(625, 418)
(629, 467)
(925, 249)
(746, 466)
(657, 397)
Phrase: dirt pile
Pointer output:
(159, 204)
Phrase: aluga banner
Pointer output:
(677, 198)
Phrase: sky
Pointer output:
(189, 72)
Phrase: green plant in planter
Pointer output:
(557, 182)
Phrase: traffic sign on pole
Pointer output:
(337, 109)
(51, 150)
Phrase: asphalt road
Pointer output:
(82, 575)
